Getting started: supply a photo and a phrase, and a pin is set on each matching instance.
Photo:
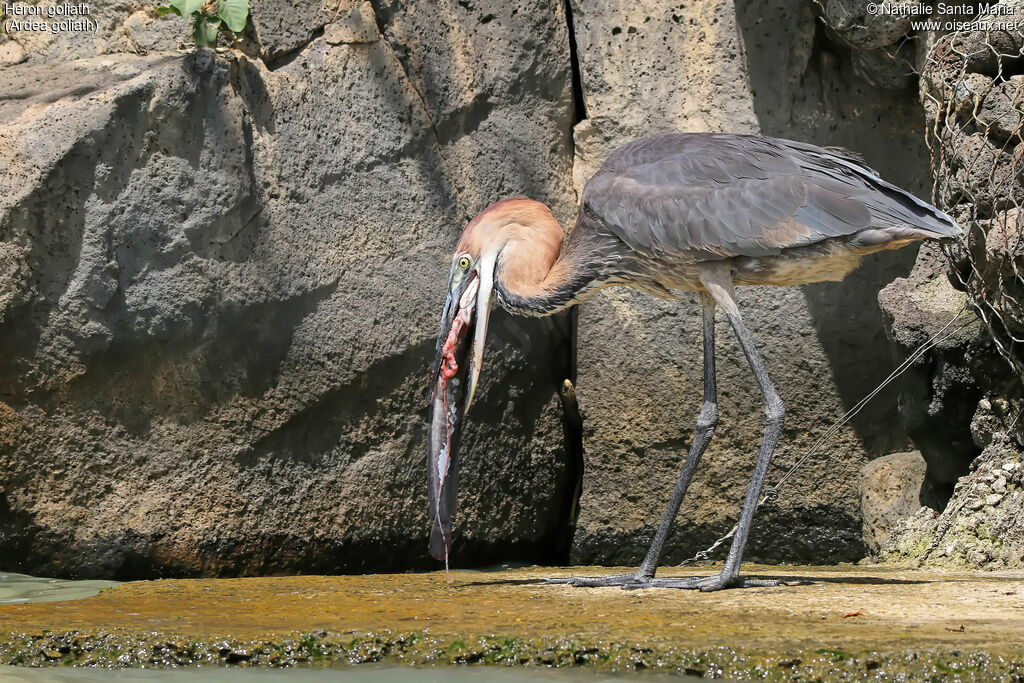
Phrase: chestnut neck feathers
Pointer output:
(536, 272)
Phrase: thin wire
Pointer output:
(773, 493)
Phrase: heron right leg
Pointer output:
(707, 420)
(774, 416)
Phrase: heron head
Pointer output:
(511, 242)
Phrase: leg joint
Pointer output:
(707, 420)
(774, 411)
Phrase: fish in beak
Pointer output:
(452, 386)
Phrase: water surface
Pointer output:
(21, 588)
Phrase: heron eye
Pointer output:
(465, 263)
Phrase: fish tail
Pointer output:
(440, 540)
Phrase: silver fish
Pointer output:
(447, 405)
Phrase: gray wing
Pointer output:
(715, 195)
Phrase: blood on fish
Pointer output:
(450, 366)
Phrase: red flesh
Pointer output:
(450, 366)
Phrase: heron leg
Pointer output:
(774, 417)
(707, 420)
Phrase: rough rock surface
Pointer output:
(981, 527)
(640, 358)
(964, 397)
(220, 275)
(866, 30)
(122, 26)
(890, 492)
(220, 290)
(939, 392)
(882, 47)
(276, 30)
(282, 28)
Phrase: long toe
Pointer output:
(685, 582)
(594, 581)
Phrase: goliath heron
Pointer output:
(694, 211)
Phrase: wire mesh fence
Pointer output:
(973, 94)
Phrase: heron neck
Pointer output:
(568, 281)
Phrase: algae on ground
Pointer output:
(118, 649)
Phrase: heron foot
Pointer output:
(703, 583)
(631, 582)
(596, 581)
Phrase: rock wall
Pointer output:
(939, 392)
(221, 286)
(220, 277)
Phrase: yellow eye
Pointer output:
(464, 263)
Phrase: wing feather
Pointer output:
(712, 195)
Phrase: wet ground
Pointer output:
(838, 621)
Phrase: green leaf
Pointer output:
(234, 13)
(186, 7)
(167, 9)
(205, 32)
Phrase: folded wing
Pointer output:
(710, 196)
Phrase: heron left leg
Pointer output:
(707, 420)
(774, 417)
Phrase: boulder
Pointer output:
(282, 28)
(220, 289)
(984, 51)
(1002, 111)
(938, 392)
(981, 527)
(970, 92)
(890, 492)
(863, 29)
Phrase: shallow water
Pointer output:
(21, 588)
